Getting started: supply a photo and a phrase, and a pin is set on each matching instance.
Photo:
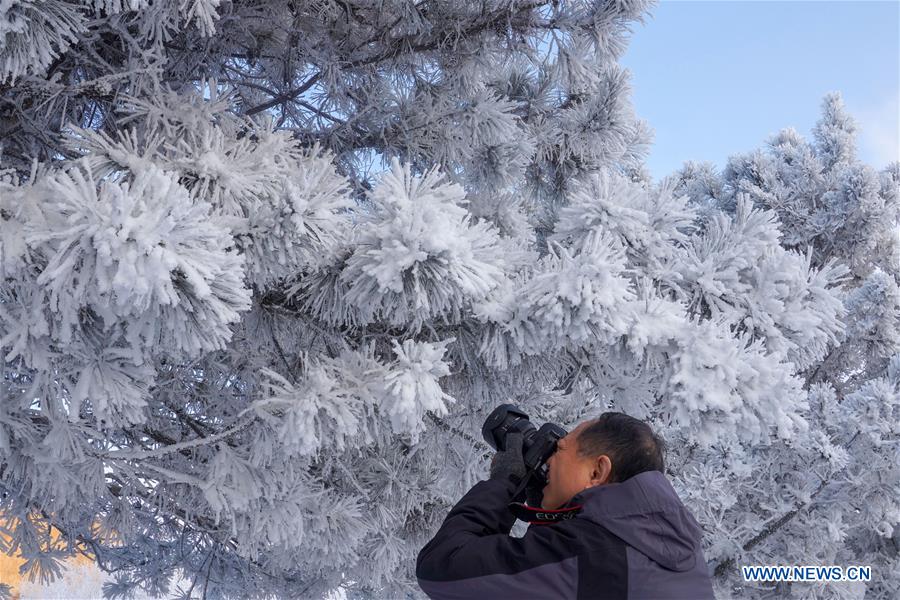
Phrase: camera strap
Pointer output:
(540, 516)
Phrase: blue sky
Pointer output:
(716, 78)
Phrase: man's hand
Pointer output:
(510, 464)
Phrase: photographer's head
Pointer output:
(608, 449)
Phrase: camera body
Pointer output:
(537, 444)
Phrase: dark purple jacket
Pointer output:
(631, 540)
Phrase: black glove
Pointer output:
(510, 464)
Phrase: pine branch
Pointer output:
(768, 531)
(284, 97)
(398, 47)
(240, 424)
(776, 525)
(449, 428)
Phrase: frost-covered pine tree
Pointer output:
(268, 266)
(837, 486)
(251, 254)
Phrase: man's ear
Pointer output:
(602, 471)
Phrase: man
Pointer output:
(609, 526)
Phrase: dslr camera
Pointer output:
(537, 444)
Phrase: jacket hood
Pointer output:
(645, 512)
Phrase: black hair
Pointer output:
(630, 444)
